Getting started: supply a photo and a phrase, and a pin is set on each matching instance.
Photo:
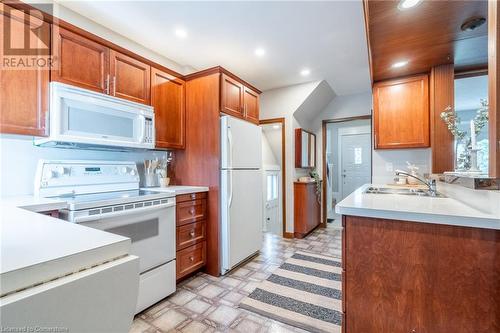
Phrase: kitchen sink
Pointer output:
(402, 191)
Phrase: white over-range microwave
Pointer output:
(82, 118)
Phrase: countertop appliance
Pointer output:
(241, 191)
(81, 118)
(106, 196)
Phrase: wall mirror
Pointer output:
(305, 149)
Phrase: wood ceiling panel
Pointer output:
(426, 35)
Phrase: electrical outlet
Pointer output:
(389, 167)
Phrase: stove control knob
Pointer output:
(59, 170)
(124, 170)
(132, 172)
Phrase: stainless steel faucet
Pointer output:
(431, 183)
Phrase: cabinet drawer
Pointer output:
(191, 211)
(190, 259)
(190, 234)
(191, 196)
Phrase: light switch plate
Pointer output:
(389, 167)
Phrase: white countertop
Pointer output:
(415, 208)
(34, 203)
(178, 190)
(36, 247)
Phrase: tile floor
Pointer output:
(205, 303)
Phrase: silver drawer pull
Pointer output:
(193, 196)
(191, 233)
(191, 258)
(191, 211)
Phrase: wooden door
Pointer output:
(168, 95)
(232, 97)
(401, 113)
(23, 93)
(251, 105)
(131, 78)
(79, 61)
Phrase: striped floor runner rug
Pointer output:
(304, 292)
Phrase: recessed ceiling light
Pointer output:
(305, 72)
(259, 52)
(181, 33)
(406, 4)
(276, 126)
(399, 64)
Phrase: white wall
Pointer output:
(284, 102)
(268, 156)
(19, 158)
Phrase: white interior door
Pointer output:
(355, 161)
(272, 221)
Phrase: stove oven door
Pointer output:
(152, 233)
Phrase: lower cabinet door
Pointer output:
(191, 259)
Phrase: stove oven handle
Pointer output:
(80, 219)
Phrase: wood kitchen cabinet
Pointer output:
(83, 62)
(79, 61)
(191, 216)
(23, 93)
(401, 113)
(306, 208)
(238, 99)
(232, 96)
(401, 276)
(131, 78)
(168, 95)
(251, 105)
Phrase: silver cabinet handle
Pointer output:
(191, 233)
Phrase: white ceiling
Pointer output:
(327, 37)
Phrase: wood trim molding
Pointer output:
(494, 87)
(323, 157)
(283, 168)
(442, 94)
(221, 70)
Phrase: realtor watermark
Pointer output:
(33, 329)
(26, 39)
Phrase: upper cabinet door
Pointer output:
(79, 61)
(251, 105)
(168, 98)
(401, 113)
(23, 92)
(232, 97)
(131, 78)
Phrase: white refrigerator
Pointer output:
(241, 191)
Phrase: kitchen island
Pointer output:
(419, 264)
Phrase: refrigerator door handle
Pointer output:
(230, 146)
(230, 187)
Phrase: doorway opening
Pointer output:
(273, 166)
(347, 161)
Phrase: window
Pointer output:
(272, 187)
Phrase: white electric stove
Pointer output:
(106, 195)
